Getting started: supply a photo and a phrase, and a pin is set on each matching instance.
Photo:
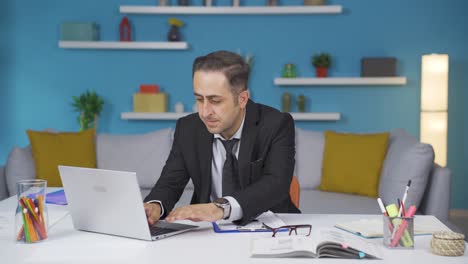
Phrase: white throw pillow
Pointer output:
(145, 154)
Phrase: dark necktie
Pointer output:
(230, 168)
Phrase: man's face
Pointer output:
(216, 103)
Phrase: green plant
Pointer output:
(321, 60)
(175, 22)
(89, 105)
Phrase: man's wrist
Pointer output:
(224, 205)
(160, 205)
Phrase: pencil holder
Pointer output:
(398, 232)
(31, 216)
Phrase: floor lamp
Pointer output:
(434, 104)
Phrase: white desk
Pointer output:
(66, 245)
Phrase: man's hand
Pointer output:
(153, 212)
(208, 212)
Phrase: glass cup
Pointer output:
(31, 218)
(398, 232)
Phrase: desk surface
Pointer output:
(66, 245)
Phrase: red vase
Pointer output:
(321, 72)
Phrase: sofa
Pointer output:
(146, 154)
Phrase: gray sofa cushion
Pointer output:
(3, 188)
(318, 202)
(144, 154)
(20, 166)
(406, 159)
(309, 156)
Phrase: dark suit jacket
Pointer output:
(266, 163)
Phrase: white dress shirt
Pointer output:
(219, 157)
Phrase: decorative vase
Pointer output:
(272, 2)
(174, 34)
(321, 72)
(179, 107)
(235, 2)
(184, 2)
(163, 2)
(289, 71)
(286, 102)
(314, 2)
(125, 30)
(301, 103)
(207, 2)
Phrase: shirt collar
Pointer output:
(238, 133)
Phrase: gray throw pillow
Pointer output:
(145, 154)
(309, 157)
(406, 159)
(20, 166)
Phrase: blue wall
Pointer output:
(38, 79)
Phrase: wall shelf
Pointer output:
(340, 81)
(144, 45)
(226, 10)
(316, 116)
(152, 116)
(174, 116)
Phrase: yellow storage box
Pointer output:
(150, 102)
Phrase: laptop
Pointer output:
(109, 202)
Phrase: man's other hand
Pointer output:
(153, 212)
(208, 212)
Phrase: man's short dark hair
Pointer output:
(231, 64)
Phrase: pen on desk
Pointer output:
(403, 211)
(404, 197)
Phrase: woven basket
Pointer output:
(447, 243)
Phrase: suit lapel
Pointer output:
(249, 134)
(205, 156)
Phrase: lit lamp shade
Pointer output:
(434, 104)
(434, 82)
(434, 132)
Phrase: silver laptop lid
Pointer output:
(105, 201)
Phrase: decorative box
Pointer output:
(378, 67)
(145, 102)
(76, 31)
(447, 243)
(149, 88)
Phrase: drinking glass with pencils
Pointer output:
(31, 217)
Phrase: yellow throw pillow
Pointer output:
(69, 148)
(352, 162)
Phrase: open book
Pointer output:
(373, 227)
(324, 243)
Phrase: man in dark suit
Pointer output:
(238, 154)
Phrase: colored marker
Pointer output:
(404, 197)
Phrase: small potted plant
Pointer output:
(321, 62)
(89, 105)
(174, 34)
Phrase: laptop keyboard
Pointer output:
(156, 231)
